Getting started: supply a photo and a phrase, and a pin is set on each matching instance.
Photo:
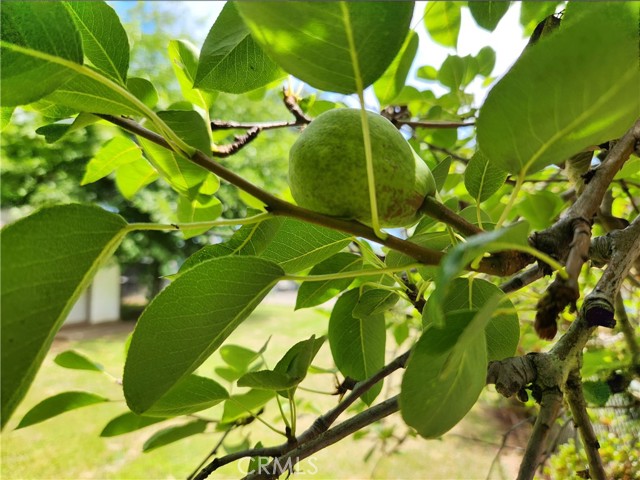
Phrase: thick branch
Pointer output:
(493, 265)
(578, 406)
(346, 428)
(628, 332)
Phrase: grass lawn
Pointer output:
(68, 446)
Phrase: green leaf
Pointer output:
(445, 375)
(189, 320)
(296, 362)
(486, 59)
(58, 404)
(245, 405)
(503, 330)
(143, 90)
(76, 361)
(540, 208)
(311, 39)
(184, 59)
(191, 394)
(596, 393)
(442, 20)
(427, 72)
(203, 209)
(116, 152)
(461, 255)
(131, 177)
(483, 178)
(173, 434)
(55, 131)
(48, 259)
(357, 344)
(267, 380)
(5, 116)
(240, 358)
(248, 240)
(86, 94)
(388, 86)
(126, 423)
(457, 72)
(487, 14)
(314, 293)
(231, 60)
(539, 113)
(184, 176)
(374, 301)
(441, 172)
(26, 78)
(298, 245)
(104, 40)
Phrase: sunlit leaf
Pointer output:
(58, 404)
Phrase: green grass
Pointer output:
(68, 446)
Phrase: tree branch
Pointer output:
(320, 425)
(578, 406)
(495, 265)
(628, 332)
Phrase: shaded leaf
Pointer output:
(310, 39)
(486, 59)
(441, 172)
(189, 320)
(374, 301)
(58, 404)
(267, 380)
(315, 293)
(173, 434)
(55, 131)
(48, 259)
(191, 394)
(357, 344)
(144, 91)
(184, 59)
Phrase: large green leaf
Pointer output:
(357, 344)
(313, 293)
(58, 404)
(503, 330)
(311, 39)
(48, 259)
(571, 90)
(231, 61)
(483, 178)
(104, 40)
(533, 12)
(442, 20)
(299, 245)
(445, 374)
(189, 320)
(191, 394)
(388, 86)
(41, 27)
(487, 14)
(184, 176)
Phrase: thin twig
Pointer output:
(434, 124)
(211, 454)
(522, 279)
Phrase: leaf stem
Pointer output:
(512, 198)
(354, 274)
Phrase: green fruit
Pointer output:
(328, 173)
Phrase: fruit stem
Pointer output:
(434, 209)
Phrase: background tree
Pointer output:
(447, 287)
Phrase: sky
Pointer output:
(507, 40)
